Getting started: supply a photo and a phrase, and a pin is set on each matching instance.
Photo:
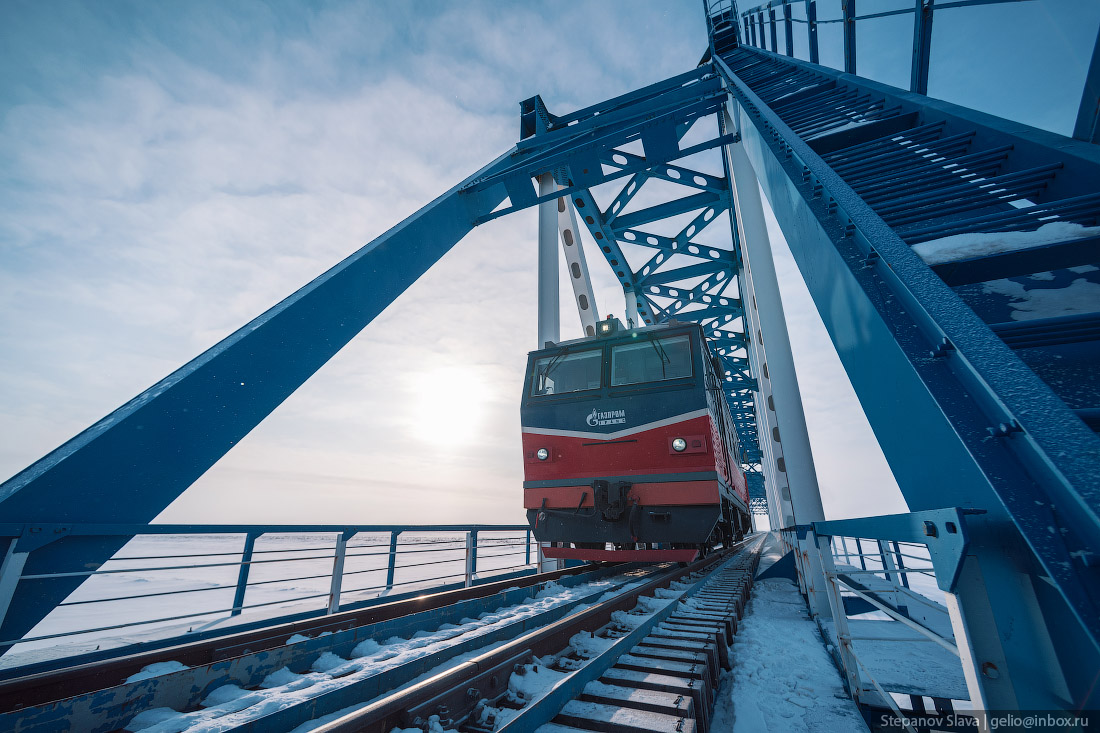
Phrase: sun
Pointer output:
(450, 406)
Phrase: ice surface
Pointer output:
(152, 561)
(982, 244)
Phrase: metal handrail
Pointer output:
(500, 545)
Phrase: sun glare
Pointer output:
(451, 406)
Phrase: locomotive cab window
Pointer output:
(567, 373)
(652, 360)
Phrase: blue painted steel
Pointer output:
(835, 157)
(788, 30)
(943, 531)
(849, 15)
(922, 45)
(129, 466)
(1087, 127)
(811, 31)
(40, 535)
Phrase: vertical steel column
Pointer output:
(780, 513)
(849, 7)
(337, 572)
(775, 38)
(798, 458)
(811, 31)
(527, 557)
(242, 574)
(549, 311)
(763, 35)
(788, 29)
(922, 45)
(750, 31)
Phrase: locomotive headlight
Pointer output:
(679, 445)
(543, 454)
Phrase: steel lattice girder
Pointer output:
(129, 466)
(833, 152)
(703, 301)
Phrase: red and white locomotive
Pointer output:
(628, 440)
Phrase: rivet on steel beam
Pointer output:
(1003, 430)
(944, 348)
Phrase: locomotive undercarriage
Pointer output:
(615, 518)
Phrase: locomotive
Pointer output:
(628, 442)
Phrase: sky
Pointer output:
(168, 171)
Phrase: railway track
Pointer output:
(653, 668)
(492, 644)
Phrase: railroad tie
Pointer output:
(667, 683)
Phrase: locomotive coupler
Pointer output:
(611, 498)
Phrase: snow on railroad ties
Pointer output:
(783, 679)
(229, 706)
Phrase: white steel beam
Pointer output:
(549, 319)
(797, 459)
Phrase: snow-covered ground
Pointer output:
(195, 576)
(783, 679)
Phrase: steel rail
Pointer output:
(387, 713)
(51, 685)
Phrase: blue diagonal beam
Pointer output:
(129, 466)
(666, 210)
(688, 271)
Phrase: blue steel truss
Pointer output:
(129, 466)
(865, 179)
(859, 174)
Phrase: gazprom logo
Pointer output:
(606, 417)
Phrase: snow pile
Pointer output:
(783, 679)
(156, 670)
(982, 244)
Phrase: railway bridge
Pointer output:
(953, 258)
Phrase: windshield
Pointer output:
(651, 360)
(567, 373)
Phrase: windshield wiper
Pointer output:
(662, 355)
(553, 363)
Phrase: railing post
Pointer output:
(840, 616)
(338, 571)
(771, 21)
(242, 574)
(527, 557)
(901, 565)
(811, 30)
(392, 559)
(788, 29)
(10, 570)
(849, 7)
(471, 556)
(859, 550)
